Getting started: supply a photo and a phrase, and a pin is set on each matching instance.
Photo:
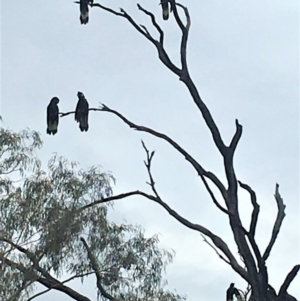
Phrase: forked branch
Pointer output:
(288, 280)
(277, 224)
(251, 233)
(217, 241)
(155, 24)
(182, 72)
(184, 37)
(200, 170)
(215, 249)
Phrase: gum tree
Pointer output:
(52, 233)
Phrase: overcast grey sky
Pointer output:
(244, 59)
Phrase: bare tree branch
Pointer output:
(50, 282)
(229, 196)
(148, 166)
(107, 9)
(251, 234)
(95, 267)
(277, 224)
(112, 198)
(212, 246)
(288, 280)
(63, 282)
(227, 152)
(155, 24)
(206, 115)
(73, 112)
(255, 205)
(200, 170)
(237, 136)
(161, 51)
(182, 73)
(185, 33)
(218, 242)
(31, 256)
(212, 195)
(55, 284)
(146, 31)
(176, 15)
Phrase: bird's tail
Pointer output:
(83, 124)
(84, 17)
(165, 10)
(52, 128)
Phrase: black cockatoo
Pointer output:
(82, 112)
(232, 291)
(52, 116)
(165, 9)
(84, 10)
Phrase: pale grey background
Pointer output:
(244, 58)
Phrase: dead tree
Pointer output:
(255, 260)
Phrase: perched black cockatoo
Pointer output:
(82, 112)
(52, 116)
(165, 9)
(232, 291)
(84, 10)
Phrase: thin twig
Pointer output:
(185, 34)
(159, 46)
(218, 253)
(73, 112)
(155, 24)
(148, 166)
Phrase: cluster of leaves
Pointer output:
(17, 154)
(46, 216)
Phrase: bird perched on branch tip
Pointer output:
(52, 116)
(84, 10)
(232, 291)
(82, 112)
(165, 9)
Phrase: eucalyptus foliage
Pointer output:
(44, 217)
